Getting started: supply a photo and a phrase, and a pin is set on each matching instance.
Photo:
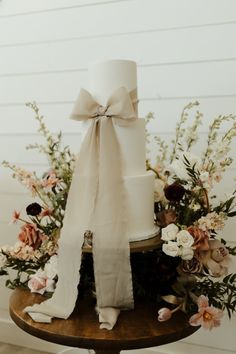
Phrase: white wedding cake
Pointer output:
(103, 79)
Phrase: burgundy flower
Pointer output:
(174, 192)
(33, 209)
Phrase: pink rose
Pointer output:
(37, 285)
(40, 284)
(30, 235)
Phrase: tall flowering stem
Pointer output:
(40, 229)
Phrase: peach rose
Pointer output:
(201, 238)
(30, 235)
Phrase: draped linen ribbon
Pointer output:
(96, 202)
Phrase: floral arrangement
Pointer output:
(31, 262)
(190, 270)
(191, 218)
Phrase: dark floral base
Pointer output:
(153, 274)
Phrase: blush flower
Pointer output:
(159, 195)
(50, 181)
(39, 283)
(208, 316)
(46, 212)
(216, 259)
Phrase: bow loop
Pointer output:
(119, 106)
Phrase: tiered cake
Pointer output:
(103, 79)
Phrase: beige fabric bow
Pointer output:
(96, 202)
(120, 106)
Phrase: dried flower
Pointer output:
(166, 217)
(191, 266)
(212, 221)
(15, 216)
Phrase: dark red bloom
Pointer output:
(174, 192)
(33, 209)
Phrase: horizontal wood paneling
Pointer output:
(17, 153)
(166, 48)
(153, 82)
(20, 119)
(113, 18)
(11, 8)
(184, 50)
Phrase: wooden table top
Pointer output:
(134, 329)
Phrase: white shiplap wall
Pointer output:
(184, 49)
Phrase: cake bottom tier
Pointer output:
(140, 206)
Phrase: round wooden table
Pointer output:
(134, 329)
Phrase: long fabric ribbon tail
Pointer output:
(79, 209)
(96, 202)
(111, 251)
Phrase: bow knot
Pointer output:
(101, 111)
(119, 106)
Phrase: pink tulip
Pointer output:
(164, 314)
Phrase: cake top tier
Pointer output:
(107, 76)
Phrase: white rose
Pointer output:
(159, 194)
(169, 232)
(171, 249)
(186, 253)
(179, 168)
(3, 260)
(184, 239)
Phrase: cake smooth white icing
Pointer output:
(104, 78)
